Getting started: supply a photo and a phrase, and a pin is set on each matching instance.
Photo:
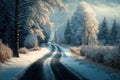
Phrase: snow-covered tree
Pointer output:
(59, 34)
(89, 24)
(47, 32)
(76, 19)
(85, 25)
(27, 13)
(36, 13)
(76, 24)
(103, 33)
(118, 34)
(77, 38)
(114, 32)
(30, 41)
(68, 33)
(55, 36)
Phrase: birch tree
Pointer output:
(89, 23)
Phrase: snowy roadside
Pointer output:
(83, 69)
(16, 66)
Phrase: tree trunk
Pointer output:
(16, 29)
(87, 40)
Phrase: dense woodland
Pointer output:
(83, 24)
(24, 20)
(98, 41)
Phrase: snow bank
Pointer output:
(103, 54)
(15, 67)
(113, 58)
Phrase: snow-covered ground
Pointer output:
(86, 70)
(16, 66)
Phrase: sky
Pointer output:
(103, 8)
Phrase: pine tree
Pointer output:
(76, 24)
(77, 38)
(103, 33)
(68, 33)
(59, 36)
(47, 33)
(114, 32)
(118, 34)
(55, 36)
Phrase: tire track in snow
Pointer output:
(47, 68)
(35, 71)
(60, 71)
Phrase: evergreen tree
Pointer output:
(59, 36)
(103, 33)
(114, 32)
(76, 24)
(77, 38)
(118, 34)
(47, 32)
(55, 36)
(68, 33)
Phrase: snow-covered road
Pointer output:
(88, 71)
(60, 71)
(49, 68)
(56, 64)
(15, 68)
(82, 69)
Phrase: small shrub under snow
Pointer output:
(5, 52)
(75, 50)
(102, 54)
(116, 61)
(35, 49)
(113, 58)
(82, 51)
(30, 41)
(23, 50)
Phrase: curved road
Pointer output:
(35, 71)
(60, 72)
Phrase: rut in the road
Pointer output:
(35, 71)
(60, 71)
